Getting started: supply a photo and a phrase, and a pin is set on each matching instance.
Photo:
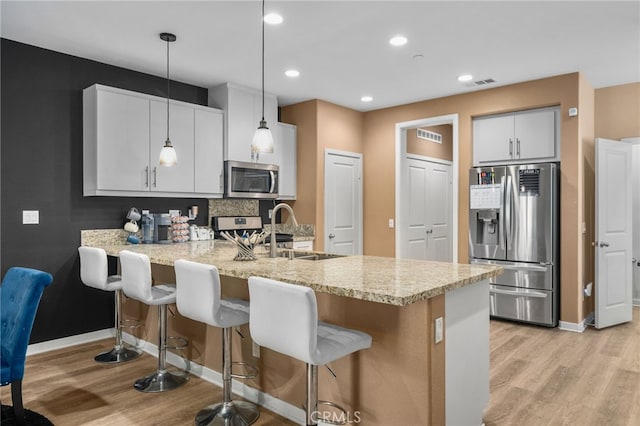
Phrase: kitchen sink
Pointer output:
(305, 255)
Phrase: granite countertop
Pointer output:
(377, 279)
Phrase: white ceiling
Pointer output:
(341, 47)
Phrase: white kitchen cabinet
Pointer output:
(524, 136)
(209, 177)
(116, 142)
(123, 133)
(178, 178)
(243, 111)
(285, 136)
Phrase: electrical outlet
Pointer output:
(438, 330)
(391, 223)
(30, 217)
(270, 213)
(255, 350)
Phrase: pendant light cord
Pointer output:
(168, 89)
(262, 60)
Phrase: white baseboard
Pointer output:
(271, 403)
(577, 327)
(636, 303)
(65, 342)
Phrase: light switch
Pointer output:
(30, 217)
(391, 223)
(255, 350)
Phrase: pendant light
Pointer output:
(262, 138)
(168, 155)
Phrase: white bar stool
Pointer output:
(137, 284)
(94, 273)
(198, 298)
(284, 318)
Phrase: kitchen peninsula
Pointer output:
(404, 378)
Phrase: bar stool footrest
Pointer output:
(330, 420)
(252, 370)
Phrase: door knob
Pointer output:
(429, 231)
(331, 235)
(603, 244)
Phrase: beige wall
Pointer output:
(618, 111)
(321, 125)
(377, 142)
(442, 151)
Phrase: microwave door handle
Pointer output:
(273, 181)
(502, 218)
(507, 208)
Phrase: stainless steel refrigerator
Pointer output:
(513, 223)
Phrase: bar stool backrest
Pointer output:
(136, 275)
(198, 291)
(93, 267)
(284, 317)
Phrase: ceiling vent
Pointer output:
(429, 135)
(480, 82)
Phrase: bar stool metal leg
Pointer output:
(162, 380)
(119, 353)
(312, 395)
(228, 412)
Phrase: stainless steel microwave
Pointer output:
(250, 180)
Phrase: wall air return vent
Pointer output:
(429, 135)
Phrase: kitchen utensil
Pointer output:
(134, 214)
(131, 226)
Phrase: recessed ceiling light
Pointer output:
(465, 77)
(366, 98)
(292, 73)
(398, 40)
(273, 18)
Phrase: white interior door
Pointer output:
(427, 207)
(613, 233)
(342, 202)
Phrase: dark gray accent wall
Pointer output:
(41, 169)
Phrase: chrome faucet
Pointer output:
(273, 244)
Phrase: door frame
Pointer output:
(360, 221)
(401, 176)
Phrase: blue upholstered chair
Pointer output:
(20, 294)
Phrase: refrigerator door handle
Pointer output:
(502, 218)
(507, 210)
(519, 293)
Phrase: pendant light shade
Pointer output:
(262, 138)
(168, 155)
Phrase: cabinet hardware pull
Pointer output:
(518, 146)
(510, 146)
(146, 175)
(155, 177)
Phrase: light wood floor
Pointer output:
(539, 377)
(70, 388)
(550, 377)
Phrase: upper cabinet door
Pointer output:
(517, 138)
(243, 111)
(535, 133)
(178, 178)
(122, 136)
(286, 137)
(493, 139)
(208, 164)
